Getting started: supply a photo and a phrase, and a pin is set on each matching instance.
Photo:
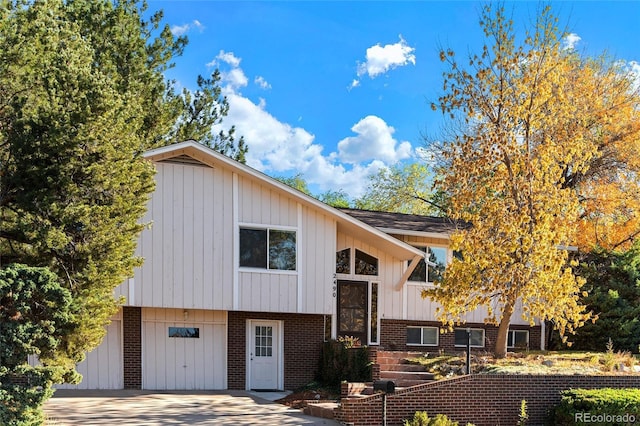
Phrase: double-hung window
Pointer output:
(268, 249)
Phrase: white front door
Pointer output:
(264, 352)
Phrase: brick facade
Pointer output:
(393, 336)
(484, 400)
(303, 337)
(132, 346)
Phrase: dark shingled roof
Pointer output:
(401, 221)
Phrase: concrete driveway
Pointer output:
(71, 408)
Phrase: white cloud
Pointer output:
(178, 30)
(228, 58)
(278, 148)
(374, 140)
(570, 41)
(382, 59)
(235, 77)
(260, 81)
(354, 83)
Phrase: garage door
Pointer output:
(102, 368)
(184, 349)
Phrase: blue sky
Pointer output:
(337, 90)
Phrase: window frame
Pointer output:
(422, 328)
(267, 229)
(373, 317)
(353, 263)
(512, 333)
(426, 247)
(176, 332)
(464, 329)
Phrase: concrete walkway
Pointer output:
(75, 408)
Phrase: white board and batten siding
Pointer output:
(309, 288)
(420, 309)
(184, 363)
(186, 249)
(102, 367)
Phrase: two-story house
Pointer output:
(245, 277)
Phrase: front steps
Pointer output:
(394, 365)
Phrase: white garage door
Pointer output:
(184, 350)
(102, 367)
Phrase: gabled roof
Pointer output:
(346, 223)
(406, 224)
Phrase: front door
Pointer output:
(264, 355)
(352, 309)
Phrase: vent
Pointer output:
(184, 159)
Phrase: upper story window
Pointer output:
(366, 264)
(343, 261)
(268, 249)
(432, 273)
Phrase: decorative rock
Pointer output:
(548, 363)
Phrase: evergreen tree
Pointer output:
(34, 318)
(613, 286)
(82, 96)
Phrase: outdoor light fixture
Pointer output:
(186, 314)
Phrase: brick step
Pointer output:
(323, 410)
(404, 375)
(399, 354)
(388, 360)
(401, 367)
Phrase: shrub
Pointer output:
(578, 403)
(420, 418)
(338, 363)
(34, 317)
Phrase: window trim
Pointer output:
(513, 338)
(448, 258)
(267, 228)
(484, 342)
(176, 332)
(422, 328)
(355, 261)
(369, 316)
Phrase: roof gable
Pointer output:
(189, 151)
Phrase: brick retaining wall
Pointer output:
(484, 400)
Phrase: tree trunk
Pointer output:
(503, 329)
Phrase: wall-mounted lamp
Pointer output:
(186, 315)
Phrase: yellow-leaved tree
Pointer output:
(539, 125)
